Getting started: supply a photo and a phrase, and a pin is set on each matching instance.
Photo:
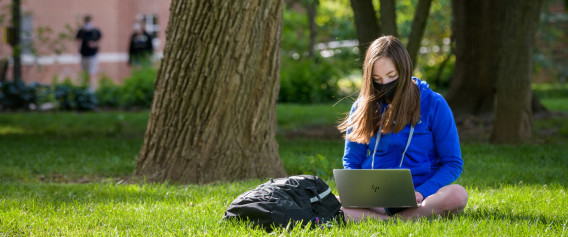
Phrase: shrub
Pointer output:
(65, 96)
(72, 97)
(108, 93)
(15, 95)
(137, 91)
(439, 78)
(308, 80)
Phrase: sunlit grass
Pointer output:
(514, 190)
(556, 104)
(293, 116)
(162, 209)
(11, 130)
(547, 90)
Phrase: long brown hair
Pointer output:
(405, 106)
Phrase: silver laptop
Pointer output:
(375, 187)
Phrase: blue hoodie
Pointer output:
(433, 155)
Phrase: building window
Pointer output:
(26, 35)
(150, 22)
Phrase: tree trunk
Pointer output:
(513, 102)
(472, 87)
(312, 7)
(365, 23)
(388, 17)
(417, 31)
(214, 111)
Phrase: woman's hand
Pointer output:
(419, 197)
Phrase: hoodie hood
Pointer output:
(424, 88)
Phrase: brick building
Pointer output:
(115, 19)
(551, 47)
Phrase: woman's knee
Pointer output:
(457, 198)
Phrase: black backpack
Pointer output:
(284, 201)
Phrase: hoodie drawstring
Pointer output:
(403, 153)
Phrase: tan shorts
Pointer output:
(90, 64)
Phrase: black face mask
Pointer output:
(386, 91)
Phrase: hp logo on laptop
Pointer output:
(374, 188)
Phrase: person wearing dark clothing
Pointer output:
(141, 48)
(89, 37)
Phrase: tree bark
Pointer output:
(311, 8)
(417, 31)
(479, 36)
(388, 18)
(366, 24)
(472, 87)
(214, 111)
(513, 101)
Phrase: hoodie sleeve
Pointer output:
(447, 146)
(354, 153)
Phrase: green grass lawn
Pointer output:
(61, 174)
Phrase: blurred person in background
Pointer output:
(141, 49)
(89, 37)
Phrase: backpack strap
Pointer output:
(320, 196)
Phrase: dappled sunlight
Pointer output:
(351, 83)
(9, 130)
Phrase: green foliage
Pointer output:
(310, 156)
(549, 57)
(47, 41)
(72, 97)
(137, 91)
(63, 96)
(334, 21)
(295, 31)
(307, 81)
(435, 44)
(17, 95)
(108, 93)
(438, 78)
(551, 90)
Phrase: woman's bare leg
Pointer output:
(449, 200)
(357, 214)
(360, 214)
